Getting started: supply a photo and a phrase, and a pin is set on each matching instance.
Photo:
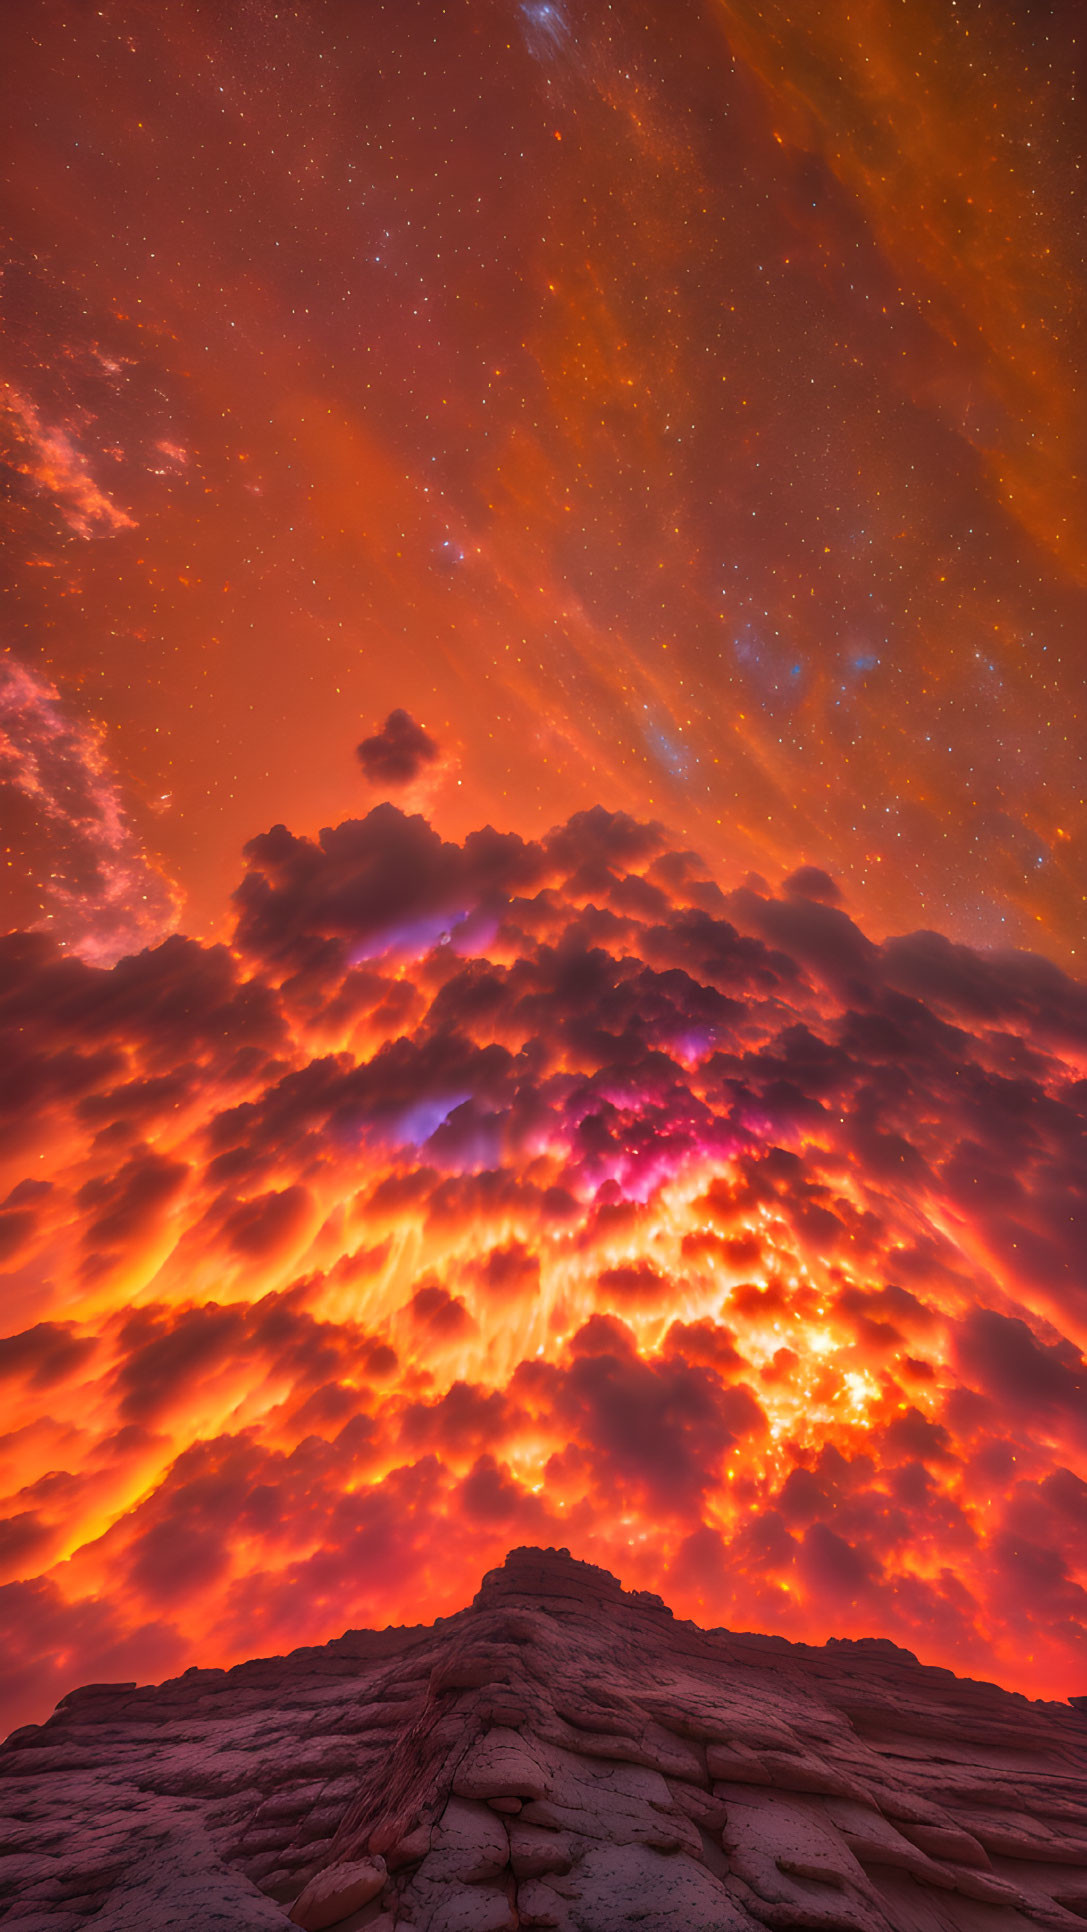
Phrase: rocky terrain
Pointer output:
(561, 1755)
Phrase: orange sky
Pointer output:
(681, 412)
(677, 412)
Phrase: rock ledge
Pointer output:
(562, 1754)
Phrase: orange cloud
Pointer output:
(539, 1191)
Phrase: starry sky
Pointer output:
(676, 407)
(542, 773)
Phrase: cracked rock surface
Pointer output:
(562, 1755)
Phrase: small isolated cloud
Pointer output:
(399, 752)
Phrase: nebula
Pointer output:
(504, 1190)
(80, 867)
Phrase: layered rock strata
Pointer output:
(560, 1755)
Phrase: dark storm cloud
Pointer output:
(370, 886)
(163, 1354)
(1045, 1380)
(46, 1353)
(653, 1433)
(833, 1566)
(809, 882)
(69, 1027)
(509, 1270)
(465, 1418)
(635, 1282)
(126, 1205)
(818, 935)
(397, 753)
(984, 987)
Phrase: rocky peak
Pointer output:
(562, 1754)
(542, 1575)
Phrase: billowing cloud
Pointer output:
(519, 1190)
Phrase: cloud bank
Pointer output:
(539, 1192)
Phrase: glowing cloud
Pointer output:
(97, 888)
(53, 463)
(686, 1227)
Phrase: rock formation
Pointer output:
(560, 1755)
